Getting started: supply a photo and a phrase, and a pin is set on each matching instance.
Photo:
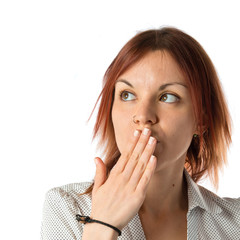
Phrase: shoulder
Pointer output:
(60, 208)
(69, 196)
(219, 217)
(211, 216)
(68, 190)
(199, 196)
(227, 204)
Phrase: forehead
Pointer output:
(155, 67)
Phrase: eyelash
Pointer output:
(166, 93)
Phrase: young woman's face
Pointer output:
(155, 94)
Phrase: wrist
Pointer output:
(87, 219)
(98, 231)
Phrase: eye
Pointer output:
(127, 96)
(169, 98)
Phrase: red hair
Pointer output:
(207, 152)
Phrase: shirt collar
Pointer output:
(200, 197)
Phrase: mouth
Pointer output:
(157, 140)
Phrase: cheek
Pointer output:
(181, 130)
(122, 127)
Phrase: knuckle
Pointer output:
(126, 155)
(146, 178)
(135, 156)
(124, 177)
(114, 171)
(142, 140)
(148, 151)
(141, 166)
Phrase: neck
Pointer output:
(166, 193)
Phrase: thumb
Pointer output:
(101, 173)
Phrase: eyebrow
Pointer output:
(162, 87)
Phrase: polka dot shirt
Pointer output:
(208, 217)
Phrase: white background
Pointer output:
(53, 55)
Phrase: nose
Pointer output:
(145, 116)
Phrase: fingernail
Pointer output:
(145, 131)
(152, 159)
(136, 133)
(151, 140)
(96, 161)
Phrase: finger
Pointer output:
(120, 165)
(147, 175)
(101, 174)
(143, 161)
(137, 153)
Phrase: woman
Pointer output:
(164, 124)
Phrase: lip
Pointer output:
(151, 135)
(156, 139)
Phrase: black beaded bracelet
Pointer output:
(87, 219)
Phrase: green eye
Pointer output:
(126, 96)
(169, 98)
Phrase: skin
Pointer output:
(137, 175)
(168, 113)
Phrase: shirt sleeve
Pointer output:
(59, 217)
